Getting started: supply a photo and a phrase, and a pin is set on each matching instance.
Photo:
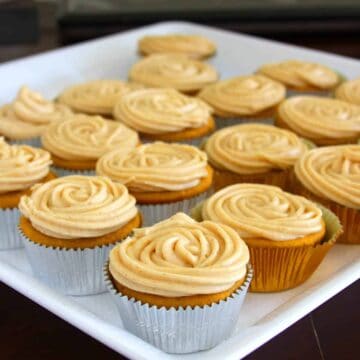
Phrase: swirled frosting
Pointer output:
(74, 207)
(193, 45)
(85, 137)
(318, 118)
(156, 166)
(253, 148)
(21, 166)
(157, 111)
(263, 211)
(29, 114)
(349, 91)
(173, 70)
(244, 95)
(333, 173)
(301, 74)
(96, 97)
(180, 257)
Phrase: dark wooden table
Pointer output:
(27, 331)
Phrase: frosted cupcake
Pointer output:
(26, 118)
(253, 153)
(96, 97)
(323, 121)
(21, 167)
(331, 176)
(179, 284)
(195, 46)
(173, 71)
(243, 99)
(69, 226)
(166, 115)
(302, 76)
(164, 178)
(349, 91)
(288, 236)
(76, 144)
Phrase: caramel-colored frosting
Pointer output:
(195, 46)
(158, 111)
(180, 257)
(349, 91)
(85, 137)
(333, 173)
(317, 117)
(263, 211)
(253, 148)
(29, 114)
(21, 166)
(156, 166)
(301, 74)
(96, 97)
(74, 207)
(173, 70)
(244, 95)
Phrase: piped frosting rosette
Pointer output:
(349, 91)
(324, 121)
(158, 111)
(173, 70)
(85, 137)
(78, 207)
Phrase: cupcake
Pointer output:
(179, 284)
(21, 166)
(96, 97)
(166, 115)
(173, 71)
(76, 144)
(288, 236)
(302, 76)
(253, 153)
(349, 91)
(243, 99)
(331, 176)
(195, 46)
(323, 121)
(69, 226)
(164, 178)
(26, 118)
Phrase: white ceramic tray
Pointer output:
(263, 315)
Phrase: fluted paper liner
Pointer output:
(181, 330)
(221, 122)
(67, 172)
(283, 267)
(34, 142)
(9, 237)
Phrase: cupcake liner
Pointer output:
(180, 331)
(71, 271)
(66, 172)
(10, 237)
(34, 142)
(325, 93)
(349, 217)
(225, 122)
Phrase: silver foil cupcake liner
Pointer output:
(180, 331)
(67, 172)
(225, 122)
(9, 236)
(34, 142)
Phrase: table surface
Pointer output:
(28, 331)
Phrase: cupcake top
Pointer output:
(253, 148)
(85, 137)
(333, 173)
(158, 111)
(21, 166)
(156, 166)
(195, 46)
(263, 211)
(173, 70)
(319, 118)
(74, 207)
(180, 257)
(29, 114)
(96, 97)
(301, 74)
(349, 91)
(244, 95)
